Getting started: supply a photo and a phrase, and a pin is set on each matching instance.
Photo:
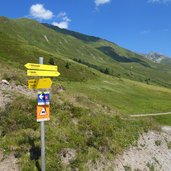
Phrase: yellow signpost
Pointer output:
(42, 73)
(39, 83)
(41, 67)
(43, 111)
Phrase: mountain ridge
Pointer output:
(155, 57)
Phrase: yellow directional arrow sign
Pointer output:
(41, 67)
(39, 83)
(42, 73)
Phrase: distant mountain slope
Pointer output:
(164, 61)
(82, 37)
(159, 58)
(155, 57)
(22, 40)
(107, 48)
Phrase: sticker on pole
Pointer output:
(43, 98)
(43, 113)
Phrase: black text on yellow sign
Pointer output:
(39, 83)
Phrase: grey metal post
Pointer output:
(42, 134)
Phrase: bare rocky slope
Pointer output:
(9, 91)
(151, 153)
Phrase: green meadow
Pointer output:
(123, 95)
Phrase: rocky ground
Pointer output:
(8, 163)
(9, 91)
(152, 153)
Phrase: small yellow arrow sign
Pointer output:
(41, 67)
(39, 83)
(42, 73)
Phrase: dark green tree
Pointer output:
(67, 65)
(51, 61)
(106, 71)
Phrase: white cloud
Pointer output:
(63, 16)
(64, 21)
(38, 11)
(62, 24)
(159, 1)
(101, 2)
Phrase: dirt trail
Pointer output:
(151, 114)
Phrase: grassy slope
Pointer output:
(131, 65)
(95, 134)
(123, 95)
(65, 46)
(101, 53)
(87, 116)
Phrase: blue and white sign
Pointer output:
(43, 98)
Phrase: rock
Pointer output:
(5, 82)
(61, 88)
(67, 155)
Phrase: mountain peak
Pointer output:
(155, 57)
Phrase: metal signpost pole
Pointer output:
(43, 107)
(42, 134)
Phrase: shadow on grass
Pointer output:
(109, 51)
(35, 153)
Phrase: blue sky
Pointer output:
(138, 25)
